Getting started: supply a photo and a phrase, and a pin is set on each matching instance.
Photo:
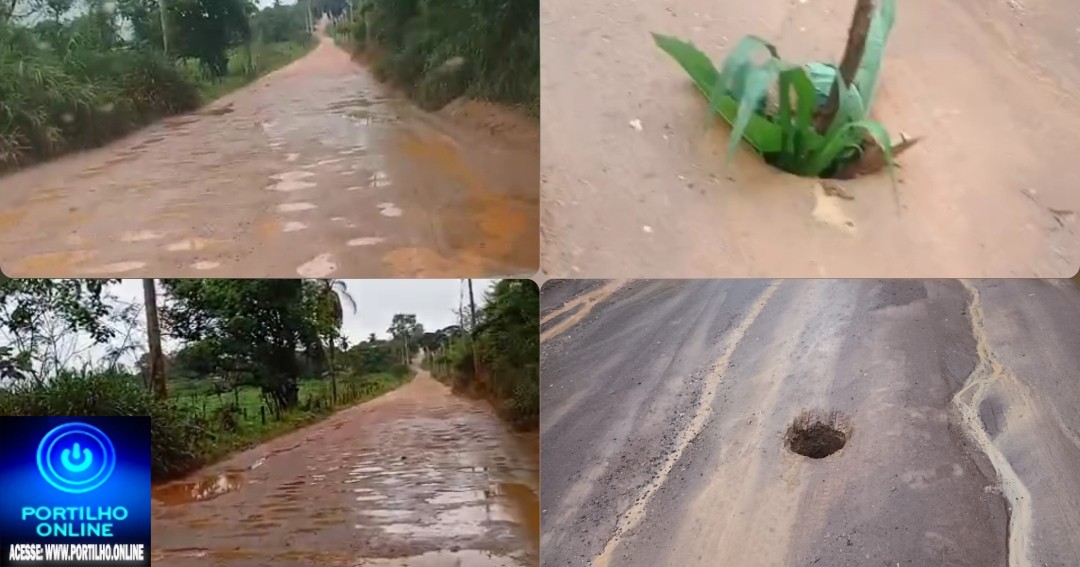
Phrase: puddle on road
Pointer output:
(176, 493)
(462, 557)
(368, 118)
(526, 503)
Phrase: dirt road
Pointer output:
(992, 87)
(316, 169)
(416, 478)
(666, 410)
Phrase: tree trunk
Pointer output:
(472, 333)
(153, 335)
(333, 375)
(849, 64)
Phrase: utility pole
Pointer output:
(472, 333)
(164, 28)
(153, 336)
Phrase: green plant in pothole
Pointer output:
(783, 110)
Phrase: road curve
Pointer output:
(416, 478)
(314, 170)
(666, 407)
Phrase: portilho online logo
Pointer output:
(76, 457)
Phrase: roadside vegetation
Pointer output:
(75, 74)
(807, 119)
(498, 356)
(441, 50)
(247, 359)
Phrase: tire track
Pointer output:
(586, 302)
(629, 519)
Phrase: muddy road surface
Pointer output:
(314, 170)
(634, 182)
(667, 412)
(415, 478)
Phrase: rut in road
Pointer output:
(313, 170)
(417, 478)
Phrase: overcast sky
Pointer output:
(377, 301)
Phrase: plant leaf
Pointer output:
(841, 138)
(757, 86)
(739, 64)
(866, 78)
(763, 135)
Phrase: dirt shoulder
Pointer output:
(991, 88)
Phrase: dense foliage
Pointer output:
(77, 75)
(179, 440)
(440, 50)
(507, 351)
(248, 359)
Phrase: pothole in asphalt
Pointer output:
(817, 435)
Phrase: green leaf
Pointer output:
(757, 86)
(866, 78)
(845, 137)
(696, 63)
(739, 64)
(798, 132)
(760, 133)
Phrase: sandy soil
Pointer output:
(665, 413)
(416, 478)
(991, 87)
(315, 170)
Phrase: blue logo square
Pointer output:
(76, 491)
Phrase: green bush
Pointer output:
(440, 50)
(178, 438)
(56, 96)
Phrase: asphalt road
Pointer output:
(666, 404)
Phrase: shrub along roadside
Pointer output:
(183, 438)
(70, 87)
(507, 353)
(439, 50)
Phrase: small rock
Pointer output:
(636, 124)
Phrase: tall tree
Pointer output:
(403, 328)
(259, 327)
(40, 320)
(153, 336)
(206, 29)
(332, 293)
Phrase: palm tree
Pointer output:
(153, 335)
(333, 291)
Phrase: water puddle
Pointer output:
(463, 557)
(367, 118)
(176, 493)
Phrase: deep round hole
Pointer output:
(815, 437)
